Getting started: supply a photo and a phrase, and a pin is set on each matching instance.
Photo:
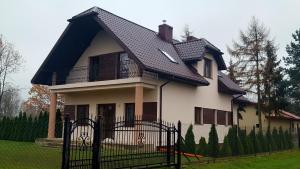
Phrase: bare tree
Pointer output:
(10, 61)
(249, 54)
(11, 101)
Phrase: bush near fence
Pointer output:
(237, 142)
(27, 128)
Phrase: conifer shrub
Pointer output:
(276, 139)
(189, 139)
(202, 147)
(240, 148)
(261, 141)
(226, 150)
(250, 146)
(281, 139)
(213, 142)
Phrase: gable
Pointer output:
(141, 44)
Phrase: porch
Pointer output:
(111, 99)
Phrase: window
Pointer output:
(82, 114)
(257, 125)
(168, 56)
(70, 109)
(207, 68)
(198, 115)
(221, 117)
(208, 116)
(129, 114)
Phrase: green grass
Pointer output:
(21, 155)
(279, 160)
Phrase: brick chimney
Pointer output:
(191, 38)
(165, 32)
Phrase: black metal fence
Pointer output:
(122, 144)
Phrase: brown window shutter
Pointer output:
(149, 111)
(198, 115)
(230, 122)
(221, 117)
(208, 116)
(70, 109)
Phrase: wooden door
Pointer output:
(108, 113)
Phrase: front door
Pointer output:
(108, 113)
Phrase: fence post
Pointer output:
(254, 140)
(66, 143)
(178, 166)
(298, 130)
(96, 145)
(168, 146)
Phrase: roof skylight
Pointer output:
(168, 56)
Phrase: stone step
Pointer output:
(56, 142)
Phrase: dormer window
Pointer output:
(207, 68)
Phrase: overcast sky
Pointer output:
(34, 26)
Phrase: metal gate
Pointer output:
(131, 143)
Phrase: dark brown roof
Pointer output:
(196, 49)
(140, 42)
(226, 85)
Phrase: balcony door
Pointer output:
(104, 67)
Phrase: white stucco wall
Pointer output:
(179, 101)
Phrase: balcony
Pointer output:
(124, 70)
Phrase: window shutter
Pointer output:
(198, 115)
(70, 109)
(230, 122)
(108, 67)
(149, 111)
(221, 117)
(208, 116)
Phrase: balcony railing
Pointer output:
(89, 74)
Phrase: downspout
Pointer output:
(160, 110)
(232, 100)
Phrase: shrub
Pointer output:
(262, 142)
(276, 139)
(281, 139)
(289, 140)
(250, 146)
(58, 124)
(240, 148)
(213, 142)
(189, 138)
(232, 139)
(226, 150)
(202, 147)
(243, 135)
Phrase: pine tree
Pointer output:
(213, 142)
(292, 62)
(226, 150)
(202, 147)
(189, 139)
(273, 96)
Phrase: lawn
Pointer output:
(280, 160)
(17, 155)
(21, 155)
